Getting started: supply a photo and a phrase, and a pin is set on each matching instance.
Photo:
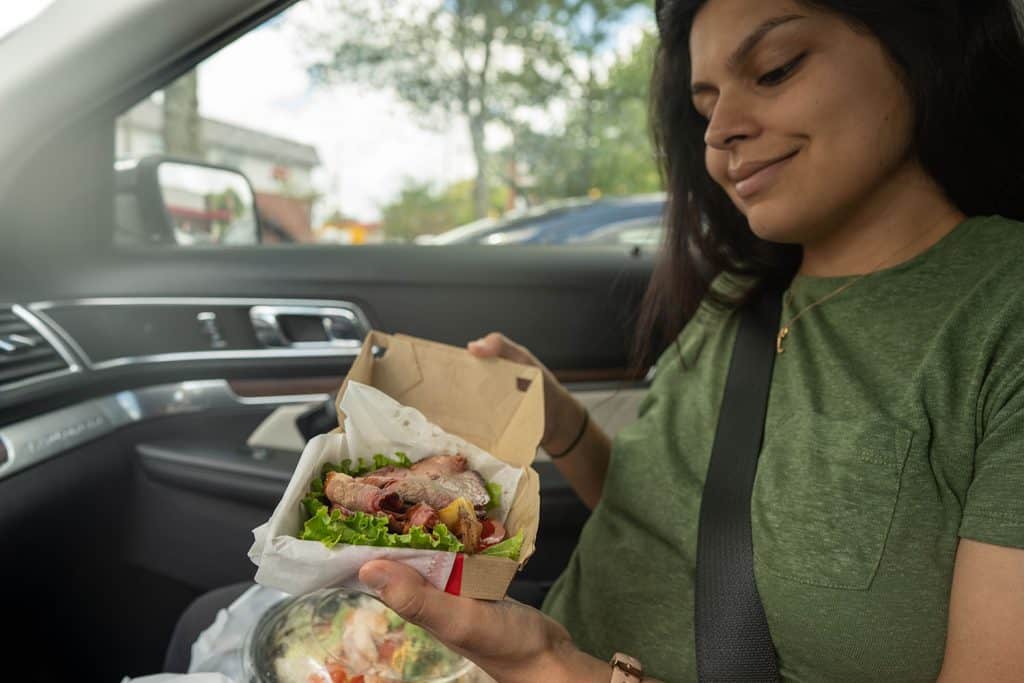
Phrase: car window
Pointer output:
(361, 122)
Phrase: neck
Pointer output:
(904, 218)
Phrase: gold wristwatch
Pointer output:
(626, 669)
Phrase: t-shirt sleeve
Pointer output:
(994, 506)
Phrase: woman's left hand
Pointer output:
(510, 641)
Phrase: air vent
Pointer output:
(24, 352)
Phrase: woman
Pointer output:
(863, 155)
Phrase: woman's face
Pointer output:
(807, 116)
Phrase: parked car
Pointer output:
(618, 220)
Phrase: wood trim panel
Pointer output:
(291, 386)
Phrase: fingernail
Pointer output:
(375, 577)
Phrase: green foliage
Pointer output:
(420, 209)
(604, 146)
(487, 61)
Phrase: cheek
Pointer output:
(717, 163)
(866, 127)
(869, 141)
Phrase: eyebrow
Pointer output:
(748, 45)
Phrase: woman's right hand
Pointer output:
(513, 643)
(563, 415)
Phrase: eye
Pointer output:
(776, 76)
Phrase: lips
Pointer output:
(754, 176)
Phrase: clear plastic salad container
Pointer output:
(333, 636)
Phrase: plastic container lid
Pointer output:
(333, 636)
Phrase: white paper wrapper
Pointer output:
(374, 423)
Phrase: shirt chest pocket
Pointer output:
(824, 498)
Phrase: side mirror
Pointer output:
(186, 203)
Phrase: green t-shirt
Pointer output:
(895, 426)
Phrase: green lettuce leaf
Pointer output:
(359, 528)
(312, 504)
(360, 466)
(510, 547)
(494, 491)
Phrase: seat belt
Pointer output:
(732, 638)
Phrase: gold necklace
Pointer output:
(784, 331)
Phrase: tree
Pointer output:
(420, 209)
(182, 131)
(623, 156)
(485, 60)
(604, 145)
(589, 25)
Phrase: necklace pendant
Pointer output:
(783, 333)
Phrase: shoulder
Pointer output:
(994, 241)
(711, 319)
(986, 264)
(986, 304)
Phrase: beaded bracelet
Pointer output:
(576, 441)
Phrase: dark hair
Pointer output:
(963, 65)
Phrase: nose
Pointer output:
(731, 122)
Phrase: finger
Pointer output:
(401, 588)
(497, 344)
(480, 348)
(487, 346)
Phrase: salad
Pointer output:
(336, 637)
(438, 503)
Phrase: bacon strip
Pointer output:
(385, 475)
(345, 512)
(422, 515)
(349, 493)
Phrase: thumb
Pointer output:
(497, 344)
(404, 590)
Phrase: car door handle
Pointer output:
(308, 327)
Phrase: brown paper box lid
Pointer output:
(492, 403)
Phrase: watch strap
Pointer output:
(626, 669)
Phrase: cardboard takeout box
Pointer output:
(492, 403)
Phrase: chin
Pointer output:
(773, 220)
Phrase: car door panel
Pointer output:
(188, 490)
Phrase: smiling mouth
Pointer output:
(763, 177)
